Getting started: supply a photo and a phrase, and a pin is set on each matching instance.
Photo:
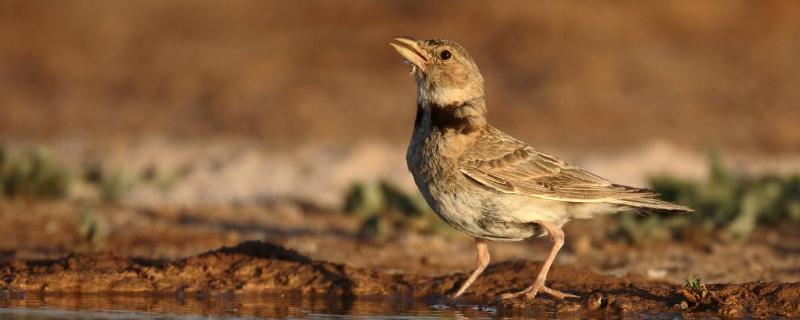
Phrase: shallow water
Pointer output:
(117, 306)
(32, 306)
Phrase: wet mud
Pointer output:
(256, 267)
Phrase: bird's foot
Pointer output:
(450, 299)
(558, 294)
(530, 293)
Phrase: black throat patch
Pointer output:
(450, 117)
(420, 114)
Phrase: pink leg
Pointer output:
(483, 261)
(557, 236)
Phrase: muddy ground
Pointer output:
(32, 230)
(258, 267)
(288, 248)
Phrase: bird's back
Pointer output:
(503, 163)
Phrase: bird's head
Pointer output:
(444, 71)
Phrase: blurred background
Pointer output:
(166, 128)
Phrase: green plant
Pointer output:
(33, 174)
(111, 186)
(93, 232)
(164, 180)
(726, 205)
(695, 292)
(386, 209)
(88, 226)
(363, 199)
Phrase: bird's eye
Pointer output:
(445, 54)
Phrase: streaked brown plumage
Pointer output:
(487, 183)
(501, 162)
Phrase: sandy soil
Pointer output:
(253, 267)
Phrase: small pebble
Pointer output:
(595, 301)
(656, 273)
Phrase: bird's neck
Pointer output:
(461, 117)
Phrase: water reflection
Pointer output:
(146, 306)
(150, 306)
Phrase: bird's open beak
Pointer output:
(410, 50)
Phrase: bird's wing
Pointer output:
(505, 164)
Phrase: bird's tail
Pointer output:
(645, 200)
(648, 204)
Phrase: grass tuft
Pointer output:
(727, 206)
(33, 174)
(111, 185)
(386, 209)
(696, 294)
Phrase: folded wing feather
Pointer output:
(501, 162)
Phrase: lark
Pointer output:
(488, 184)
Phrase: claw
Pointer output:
(531, 292)
(558, 294)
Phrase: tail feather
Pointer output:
(645, 199)
(653, 204)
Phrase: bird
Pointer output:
(488, 184)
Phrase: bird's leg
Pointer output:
(482, 261)
(557, 236)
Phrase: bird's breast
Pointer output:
(432, 154)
